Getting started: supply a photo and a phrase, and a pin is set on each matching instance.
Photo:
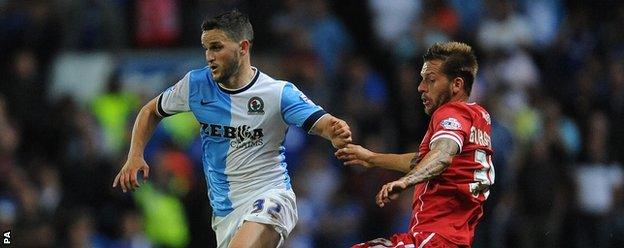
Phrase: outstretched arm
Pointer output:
(333, 129)
(144, 126)
(433, 164)
(358, 155)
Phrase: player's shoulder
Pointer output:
(280, 85)
(479, 111)
(266, 79)
(461, 107)
(199, 71)
(459, 110)
(200, 74)
(455, 107)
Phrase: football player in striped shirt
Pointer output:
(244, 115)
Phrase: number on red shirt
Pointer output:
(484, 177)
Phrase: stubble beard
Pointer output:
(230, 69)
(444, 97)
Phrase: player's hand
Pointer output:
(390, 191)
(341, 134)
(127, 176)
(355, 155)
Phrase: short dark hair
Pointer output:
(234, 23)
(458, 59)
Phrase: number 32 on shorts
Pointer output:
(273, 207)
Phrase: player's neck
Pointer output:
(459, 98)
(240, 80)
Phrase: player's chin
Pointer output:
(428, 110)
(216, 76)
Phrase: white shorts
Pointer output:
(275, 207)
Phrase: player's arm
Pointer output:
(433, 164)
(144, 126)
(358, 155)
(333, 129)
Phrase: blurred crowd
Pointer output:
(551, 74)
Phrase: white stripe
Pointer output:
(438, 134)
(446, 132)
(426, 240)
(421, 204)
(404, 245)
(458, 141)
(453, 138)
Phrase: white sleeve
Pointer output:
(175, 99)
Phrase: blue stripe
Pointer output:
(215, 148)
(215, 155)
(295, 109)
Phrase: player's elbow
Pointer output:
(150, 109)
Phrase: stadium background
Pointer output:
(74, 73)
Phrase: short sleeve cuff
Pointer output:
(312, 119)
(449, 135)
(160, 109)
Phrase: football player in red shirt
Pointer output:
(452, 171)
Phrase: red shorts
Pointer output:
(406, 240)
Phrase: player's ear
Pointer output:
(245, 46)
(457, 85)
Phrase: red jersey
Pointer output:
(451, 204)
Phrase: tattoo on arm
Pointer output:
(434, 163)
(414, 161)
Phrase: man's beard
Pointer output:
(229, 69)
(443, 98)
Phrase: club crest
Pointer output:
(255, 106)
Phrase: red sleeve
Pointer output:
(451, 121)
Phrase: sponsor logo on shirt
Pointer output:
(451, 124)
(240, 137)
